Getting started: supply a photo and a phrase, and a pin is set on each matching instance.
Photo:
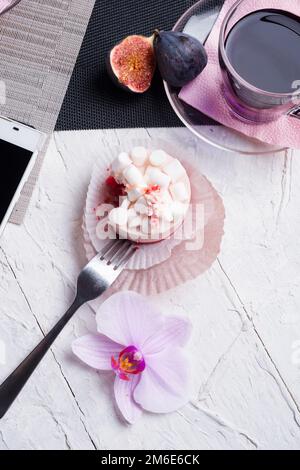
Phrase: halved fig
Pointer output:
(131, 63)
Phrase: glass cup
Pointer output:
(247, 102)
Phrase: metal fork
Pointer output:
(94, 279)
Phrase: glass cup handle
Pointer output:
(295, 112)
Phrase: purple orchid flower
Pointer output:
(145, 351)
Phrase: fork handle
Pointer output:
(12, 386)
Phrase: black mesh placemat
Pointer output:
(92, 100)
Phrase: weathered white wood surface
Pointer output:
(245, 311)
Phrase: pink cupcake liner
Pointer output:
(184, 264)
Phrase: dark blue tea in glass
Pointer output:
(260, 59)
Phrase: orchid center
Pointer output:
(130, 361)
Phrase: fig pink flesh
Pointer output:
(133, 63)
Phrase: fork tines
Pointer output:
(118, 252)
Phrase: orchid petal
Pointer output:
(124, 398)
(175, 332)
(164, 386)
(96, 350)
(128, 319)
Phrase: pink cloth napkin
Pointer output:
(205, 94)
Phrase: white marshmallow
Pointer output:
(155, 229)
(178, 209)
(154, 176)
(135, 235)
(125, 203)
(133, 176)
(179, 191)
(121, 162)
(139, 156)
(135, 222)
(167, 215)
(131, 213)
(135, 194)
(175, 170)
(158, 158)
(145, 225)
(142, 207)
(166, 198)
(118, 216)
(160, 227)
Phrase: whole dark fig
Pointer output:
(180, 57)
(131, 63)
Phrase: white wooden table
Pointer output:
(245, 311)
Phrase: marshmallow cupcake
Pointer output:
(152, 195)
